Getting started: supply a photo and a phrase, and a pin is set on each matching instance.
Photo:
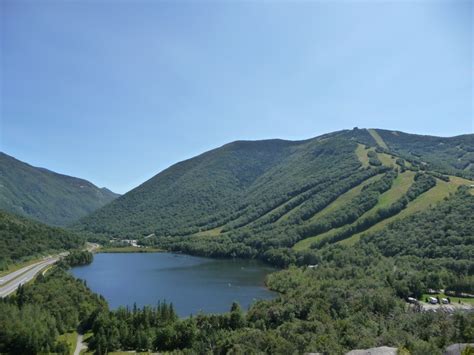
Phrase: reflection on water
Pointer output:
(193, 284)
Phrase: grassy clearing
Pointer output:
(462, 300)
(209, 233)
(361, 153)
(424, 201)
(377, 138)
(386, 159)
(306, 243)
(343, 199)
(71, 339)
(400, 185)
(129, 249)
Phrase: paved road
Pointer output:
(15, 274)
(22, 278)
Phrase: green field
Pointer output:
(424, 201)
(361, 153)
(344, 198)
(211, 232)
(377, 138)
(400, 185)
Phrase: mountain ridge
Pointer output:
(245, 178)
(47, 196)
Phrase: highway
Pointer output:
(11, 281)
(12, 275)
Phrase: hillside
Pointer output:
(46, 196)
(22, 238)
(282, 187)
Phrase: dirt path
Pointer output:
(79, 345)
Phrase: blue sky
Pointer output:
(115, 91)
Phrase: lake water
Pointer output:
(193, 284)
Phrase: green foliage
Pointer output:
(453, 155)
(21, 238)
(445, 231)
(46, 196)
(76, 258)
(234, 184)
(422, 183)
(31, 320)
(373, 158)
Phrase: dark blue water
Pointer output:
(193, 284)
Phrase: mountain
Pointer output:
(46, 196)
(22, 238)
(252, 184)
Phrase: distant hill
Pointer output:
(22, 238)
(46, 196)
(249, 196)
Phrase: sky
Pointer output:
(116, 91)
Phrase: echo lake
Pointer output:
(192, 284)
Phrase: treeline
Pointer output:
(352, 299)
(32, 319)
(350, 212)
(421, 184)
(324, 190)
(451, 156)
(21, 238)
(373, 158)
(77, 258)
(238, 182)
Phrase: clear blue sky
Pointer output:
(115, 91)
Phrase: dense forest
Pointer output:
(453, 155)
(46, 196)
(353, 298)
(241, 180)
(21, 238)
(360, 220)
(246, 182)
(32, 319)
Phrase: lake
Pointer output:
(192, 284)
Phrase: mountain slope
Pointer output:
(252, 198)
(21, 238)
(452, 155)
(238, 180)
(46, 196)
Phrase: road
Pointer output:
(9, 283)
(13, 280)
(80, 344)
(15, 274)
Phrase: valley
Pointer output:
(322, 242)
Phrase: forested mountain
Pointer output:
(267, 196)
(350, 298)
(361, 220)
(46, 196)
(21, 238)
